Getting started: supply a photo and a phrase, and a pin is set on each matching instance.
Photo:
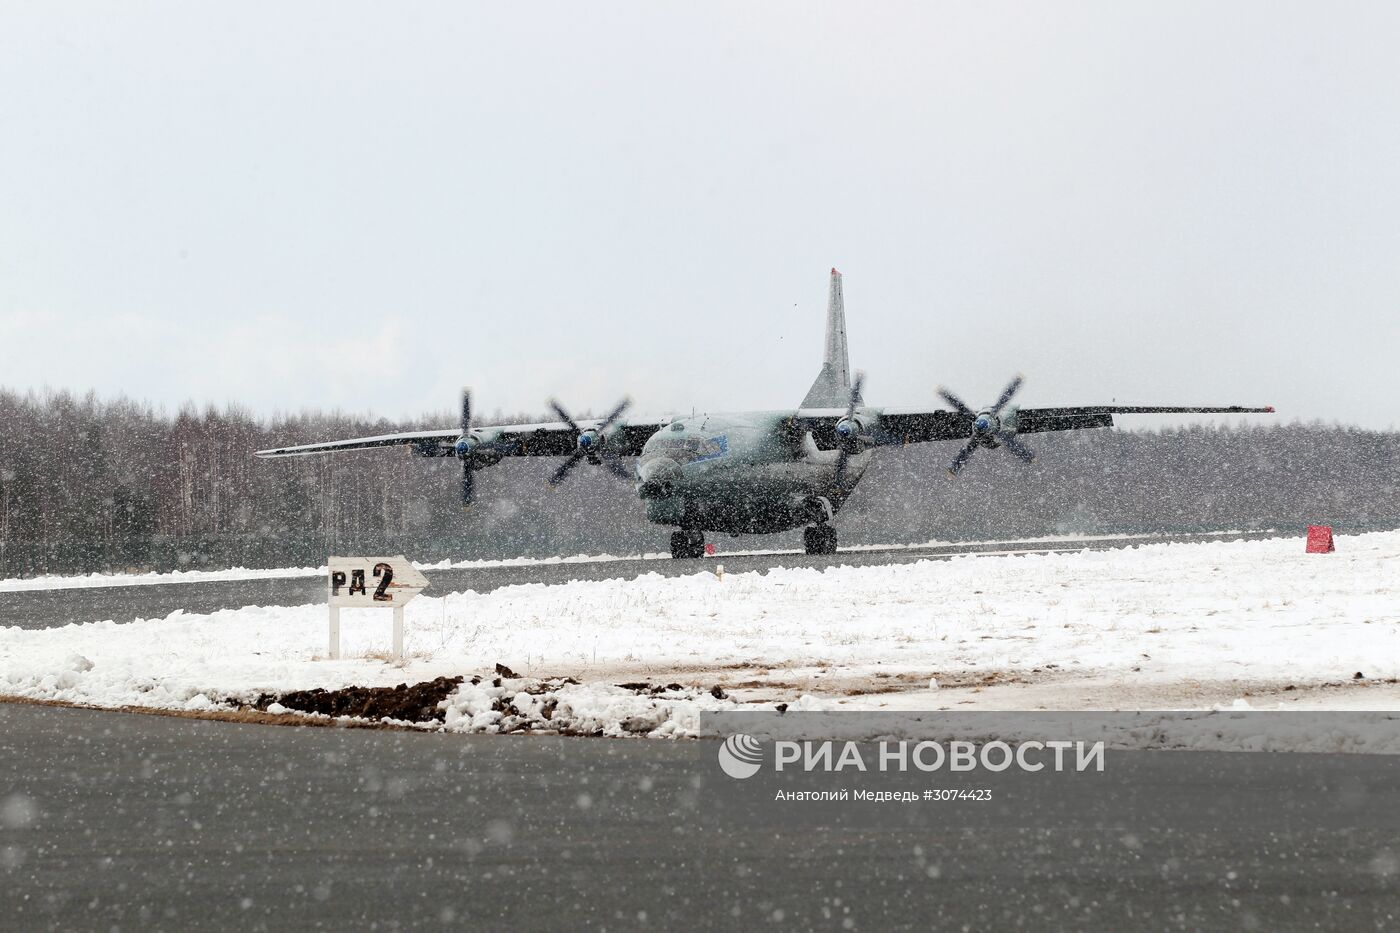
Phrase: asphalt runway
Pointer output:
(49, 608)
(112, 821)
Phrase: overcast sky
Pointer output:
(367, 206)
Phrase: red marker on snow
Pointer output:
(1320, 539)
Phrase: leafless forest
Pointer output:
(92, 485)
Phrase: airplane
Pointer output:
(757, 472)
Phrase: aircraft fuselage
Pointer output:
(744, 473)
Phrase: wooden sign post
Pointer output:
(371, 582)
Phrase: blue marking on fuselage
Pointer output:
(715, 447)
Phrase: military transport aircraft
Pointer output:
(754, 472)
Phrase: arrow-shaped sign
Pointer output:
(373, 581)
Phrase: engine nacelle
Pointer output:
(986, 423)
(593, 442)
(854, 432)
(479, 447)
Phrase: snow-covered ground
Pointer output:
(1162, 626)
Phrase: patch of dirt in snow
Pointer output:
(421, 702)
(509, 703)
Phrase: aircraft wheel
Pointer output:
(687, 545)
(819, 539)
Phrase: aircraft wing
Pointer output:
(908, 426)
(547, 439)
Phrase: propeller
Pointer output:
(592, 444)
(849, 435)
(466, 448)
(987, 427)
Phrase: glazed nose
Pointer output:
(659, 477)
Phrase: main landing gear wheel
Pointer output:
(687, 544)
(819, 539)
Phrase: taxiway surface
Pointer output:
(47, 608)
(145, 822)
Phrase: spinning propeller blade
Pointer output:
(956, 402)
(1016, 447)
(1006, 393)
(854, 445)
(564, 416)
(566, 467)
(464, 450)
(962, 457)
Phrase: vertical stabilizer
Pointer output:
(833, 386)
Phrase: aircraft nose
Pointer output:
(659, 477)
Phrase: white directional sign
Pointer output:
(373, 581)
(370, 582)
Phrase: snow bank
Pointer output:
(1164, 613)
(524, 705)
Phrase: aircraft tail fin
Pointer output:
(832, 388)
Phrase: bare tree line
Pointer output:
(88, 485)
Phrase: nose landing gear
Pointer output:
(819, 539)
(687, 544)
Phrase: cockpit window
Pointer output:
(685, 450)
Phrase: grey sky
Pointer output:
(366, 206)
